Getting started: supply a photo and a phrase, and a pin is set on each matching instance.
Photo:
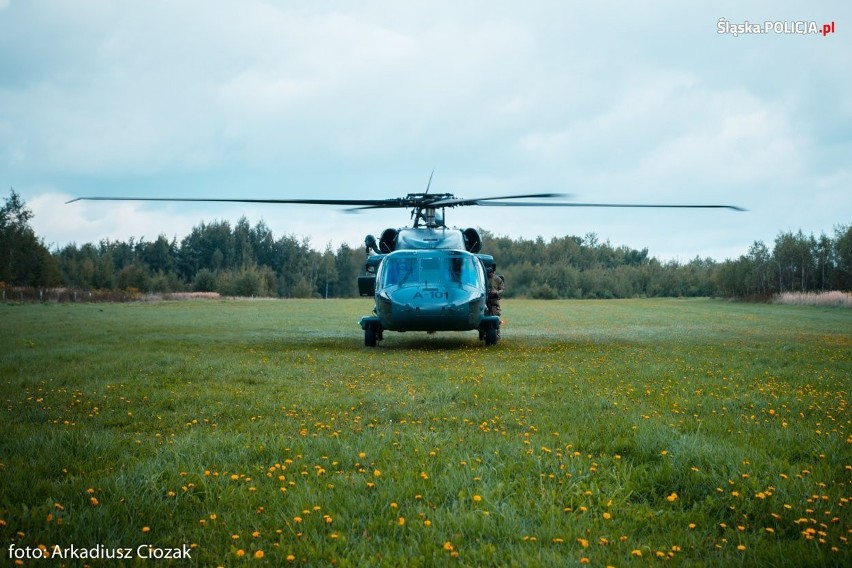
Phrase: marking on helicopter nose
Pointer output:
(432, 295)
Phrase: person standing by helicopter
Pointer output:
(496, 287)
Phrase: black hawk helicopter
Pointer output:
(427, 277)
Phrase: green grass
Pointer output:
(703, 432)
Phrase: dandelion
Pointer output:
(607, 516)
(240, 553)
(377, 473)
(477, 498)
(402, 521)
(258, 554)
(672, 498)
(146, 529)
(637, 553)
(290, 558)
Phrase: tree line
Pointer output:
(246, 260)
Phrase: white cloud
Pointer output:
(333, 99)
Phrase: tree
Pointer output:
(843, 257)
(24, 260)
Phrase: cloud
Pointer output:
(334, 99)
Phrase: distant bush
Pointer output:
(832, 299)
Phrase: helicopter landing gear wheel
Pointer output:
(491, 336)
(370, 337)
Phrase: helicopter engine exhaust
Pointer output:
(387, 242)
(472, 240)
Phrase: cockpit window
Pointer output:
(400, 270)
(433, 269)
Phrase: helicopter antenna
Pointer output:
(429, 184)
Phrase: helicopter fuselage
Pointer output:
(430, 290)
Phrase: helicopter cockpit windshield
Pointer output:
(432, 267)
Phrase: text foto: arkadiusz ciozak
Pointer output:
(100, 552)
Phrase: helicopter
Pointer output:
(427, 277)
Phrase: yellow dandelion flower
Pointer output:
(672, 498)
(427, 523)
(377, 473)
(741, 547)
(94, 502)
(637, 553)
(401, 521)
(241, 553)
(448, 546)
(290, 558)
(583, 542)
(258, 554)
(255, 534)
(146, 529)
(477, 498)
(607, 516)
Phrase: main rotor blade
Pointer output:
(477, 201)
(644, 205)
(351, 202)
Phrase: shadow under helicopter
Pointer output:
(420, 342)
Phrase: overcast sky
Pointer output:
(608, 101)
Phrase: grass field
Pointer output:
(263, 432)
